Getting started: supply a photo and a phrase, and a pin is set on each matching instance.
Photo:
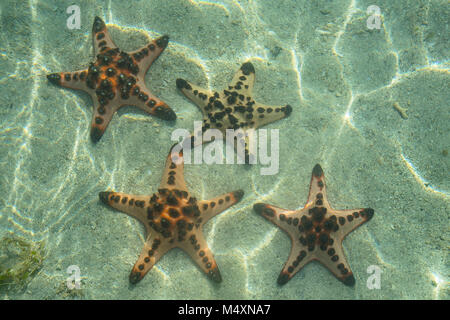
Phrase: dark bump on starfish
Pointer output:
(283, 278)
(368, 213)
(247, 68)
(174, 213)
(187, 211)
(260, 208)
(311, 238)
(238, 195)
(323, 238)
(104, 197)
(54, 78)
(135, 277)
(183, 84)
(215, 275)
(197, 212)
(172, 200)
(349, 280)
(98, 25)
(162, 41)
(165, 113)
(231, 99)
(318, 213)
(158, 207)
(287, 110)
(101, 110)
(317, 171)
(110, 72)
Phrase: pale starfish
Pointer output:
(233, 108)
(173, 218)
(316, 231)
(116, 79)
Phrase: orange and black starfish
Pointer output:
(316, 231)
(233, 107)
(173, 218)
(116, 79)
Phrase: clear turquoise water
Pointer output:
(342, 81)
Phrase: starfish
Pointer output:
(316, 231)
(116, 79)
(233, 108)
(172, 218)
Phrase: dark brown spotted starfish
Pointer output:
(233, 108)
(173, 218)
(316, 231)
(116, 79)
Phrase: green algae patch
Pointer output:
(20, 259)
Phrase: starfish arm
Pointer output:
(211, 208)
(285, 219)
(298, 258)
(154, 249)
(73, 80)
(349, 220)
(133, 205)
(173, 177)
(101, 37)
(145, 56)
(198, 250)
(244, 79)
(267, 114)
(317, 187)
(144, 100)
(101, 117)
(194, 93)
(335, 261)
(288, 221)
